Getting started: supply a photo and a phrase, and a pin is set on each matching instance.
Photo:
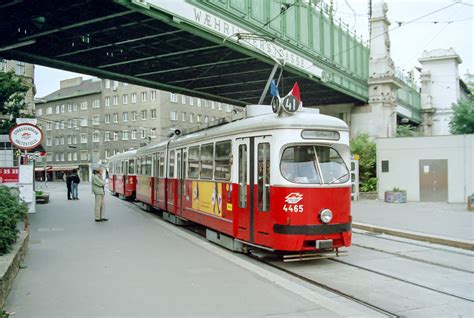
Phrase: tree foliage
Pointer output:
(12, 99)
(406, 131)
(463, 117)
(363, 146)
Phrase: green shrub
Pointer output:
(11, 212)
(363, 146)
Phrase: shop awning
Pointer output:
(57, 168)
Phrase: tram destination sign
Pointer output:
(26, 136)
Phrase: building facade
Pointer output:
(87, 121)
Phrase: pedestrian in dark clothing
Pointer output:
(75, 180)
(68, 185)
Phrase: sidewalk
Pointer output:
(137, 265)
(450, 220)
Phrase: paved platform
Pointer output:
(446, 220)
(137, 265)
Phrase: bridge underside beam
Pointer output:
(108, 40)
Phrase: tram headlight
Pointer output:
(325, 216)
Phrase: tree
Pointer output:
(12, 99)
(363, 146)
(463, 117)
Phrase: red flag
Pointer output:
(295, 91)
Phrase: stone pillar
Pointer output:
(379, 117)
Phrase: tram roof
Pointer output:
(123, 155)
(305, 119)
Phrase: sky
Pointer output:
(451, 27)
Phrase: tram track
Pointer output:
(327, 287)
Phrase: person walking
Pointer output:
(75, 180)
(67, 178)
(98, 190)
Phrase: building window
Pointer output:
(107, 101)
(206, 119)
(57, 125)
(57, 109)
(191, 118)
(107, 118)
(107, 83)
(143, 133)
(115, 100)
(95, 136)
(56, 141)
(153, 95)
(74, 107)
(83, 138)
(62, 156)
(69, 156)
(191, 101)
(144, 114)
(134, 134)
(49, 142)
(74, 139)
(125, 99)
(153, 133)
(385, 167)
(183, 99)
(115, 136)
(49, 110)
(49, 157)
(125, 117)
(173, 115)
(69, 108)
(115, 117)
(107, 155)
(198, 102)
(199, 118)
(96, 120)
(125, 135)
(107, 136)
(153, 113)
(61, 140)
(62, 124)
(96, 103)
(69, 140)
(84, 105)
(144, 96)
(84, 155)
(83, 122)
(219, 106)
(20, 68)
(69, 123)
(213, 105)
(134, 98)
(183, 116)
(63, 108)
(173, 98)
(74, 156)
(134, 116)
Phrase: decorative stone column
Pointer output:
(379, 117)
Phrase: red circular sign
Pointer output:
(26, 136)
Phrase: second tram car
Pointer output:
(279, 182)
(122, 177)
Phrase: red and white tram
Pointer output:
(280, 182)
(122, 177)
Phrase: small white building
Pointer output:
(441, 87)
(430, 169)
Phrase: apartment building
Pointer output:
(87, 121)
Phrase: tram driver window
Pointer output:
(264, 177)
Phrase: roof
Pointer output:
(123, 155)
(86, 87)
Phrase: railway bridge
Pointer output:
(222, 50)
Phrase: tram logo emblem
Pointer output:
(293, 198)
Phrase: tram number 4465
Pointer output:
(293, 208)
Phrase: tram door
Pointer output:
(253, 160)
(181, 156)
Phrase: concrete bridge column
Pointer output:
(379, 117)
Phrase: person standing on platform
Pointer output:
(67, 178)
(75, 180)
(98, 190)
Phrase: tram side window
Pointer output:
(193, 162)
(139, 166)
(171, 165)
(148, 166)
(131, 166)
(207, 156)
(223, 160)
(124, 167)
(242, 176)
(162, 164)
(264, 177)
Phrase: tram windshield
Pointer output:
(313, 164)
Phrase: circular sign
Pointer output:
(290, 104)
(26, 136)
(275, 104)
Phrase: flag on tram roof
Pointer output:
(274, 89)
(295, 91)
